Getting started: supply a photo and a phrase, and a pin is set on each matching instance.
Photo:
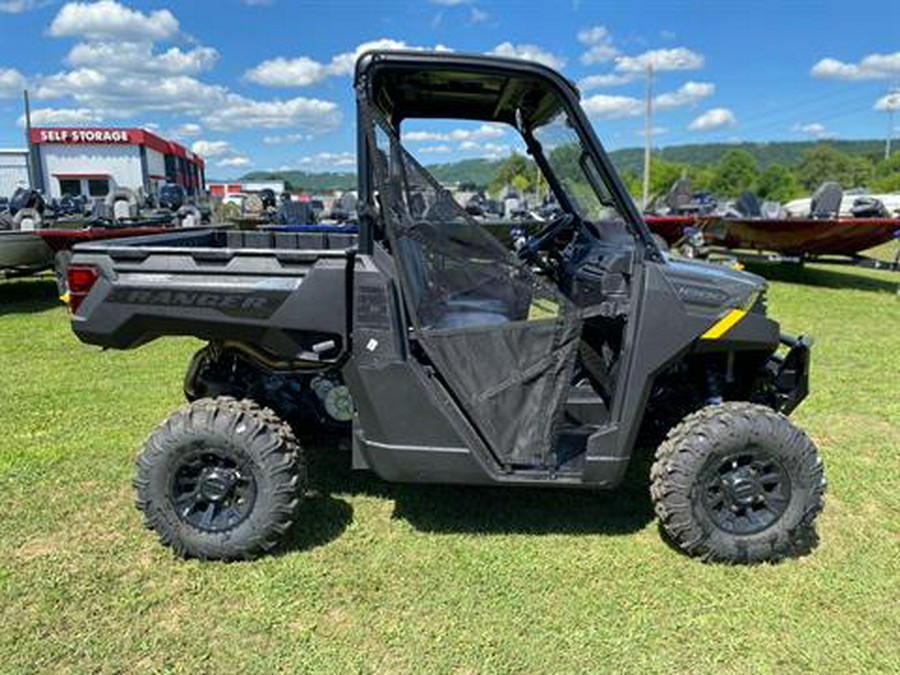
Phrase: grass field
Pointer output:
(434, 579)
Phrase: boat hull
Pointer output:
(791, 236)
(23, 252)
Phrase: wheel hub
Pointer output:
(217, 484)
(745, 493)
(742, 487)
(211, 491)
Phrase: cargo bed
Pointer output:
(285, 292)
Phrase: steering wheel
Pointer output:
(545, 236)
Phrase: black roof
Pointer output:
(418, 84)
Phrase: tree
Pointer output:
(663, 174)
(735, 173)
(824, 163)
(887, 174)
(515, 166)
(632, 183)
(777, 183)
(702, 177)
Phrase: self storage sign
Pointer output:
(84, 136)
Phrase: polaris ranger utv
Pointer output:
(447, 356)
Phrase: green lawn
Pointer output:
(434, 579)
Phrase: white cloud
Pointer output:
(234, 162)
(889, 102)
(599, 54)
(612, 107)
(12, 82)
(451, 3)
(116, 73)
(281, 72)
(286, 139)
(713, 120)
(599, 42)
(41, 117)
(529, 53)
(667, 34)
(139, 57)
(429, 149)
(605, 80)
(871, 67)
(813, 129)
(108, 19)
(478, 16)
(690, 93)
(490, 150)
(304, 71)
(238, 112)
(678, 58)
(479, 133)
(186, 129)
(19, 6)
(212, 148)
(328, 160)
(594, 35)
(121, 95)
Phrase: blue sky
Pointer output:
(264, 84)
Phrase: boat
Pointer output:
(23, 253)
(830, 225)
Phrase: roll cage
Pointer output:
(419, 85)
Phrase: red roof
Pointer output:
(111, 136)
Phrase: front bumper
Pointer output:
(790, 372)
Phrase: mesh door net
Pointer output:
(503, 338)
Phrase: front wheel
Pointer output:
(738, 483)
(221, 478)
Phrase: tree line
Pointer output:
(738, 171)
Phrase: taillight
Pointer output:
(81, 279)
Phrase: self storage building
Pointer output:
(94, 161)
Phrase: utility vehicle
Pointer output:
(446, 356)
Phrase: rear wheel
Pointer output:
(221, 479)
(740, 483)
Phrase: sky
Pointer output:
(266, 84)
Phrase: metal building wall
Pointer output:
(13, 171)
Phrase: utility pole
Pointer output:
(890, 134)
(32, 179)
(648, 138)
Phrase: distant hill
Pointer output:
(787, 154)
(480, 171)
(308, 182)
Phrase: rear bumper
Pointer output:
(790, 372)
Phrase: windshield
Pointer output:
(575, 169)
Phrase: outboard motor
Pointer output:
(171, 196)
(680, 196)
(269, 201)
(772, 210)
(869, 207)
(748, 205)
(26, 198)
(296, 213)
(826, 201)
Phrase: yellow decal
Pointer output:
(723, 325)
(541, 308)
